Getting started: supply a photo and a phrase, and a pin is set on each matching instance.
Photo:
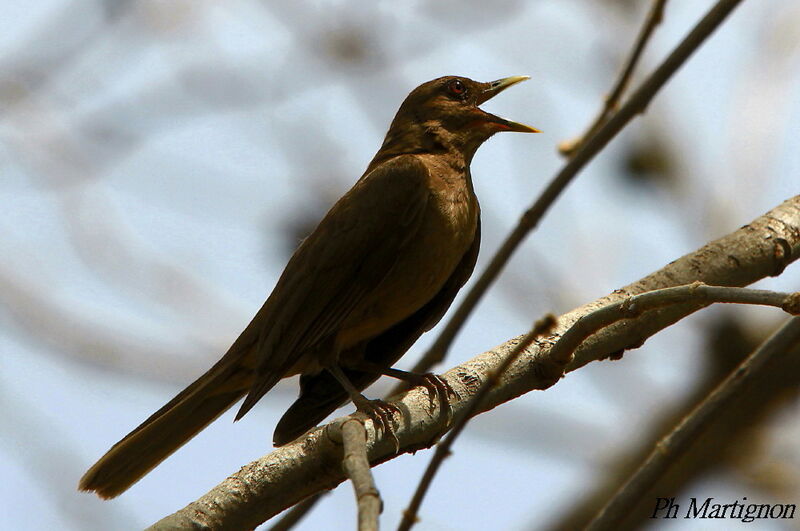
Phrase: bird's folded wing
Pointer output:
(343, 260)
(321, 394)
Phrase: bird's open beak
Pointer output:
(493, 89)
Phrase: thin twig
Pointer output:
(638, 304)
(668, 449)
(541, 327)
(636, 104)
(611, 101)
(293, 516)
(356, 466)
(354, 440)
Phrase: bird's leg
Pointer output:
(379, 411)
(433, 383)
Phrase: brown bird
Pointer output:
(380, 269)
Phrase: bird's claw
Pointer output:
(438, 387)
(382, 415)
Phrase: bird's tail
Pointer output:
(170, 427)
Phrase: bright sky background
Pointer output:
(161, 159)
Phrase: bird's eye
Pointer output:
(457, 88)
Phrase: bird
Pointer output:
(380, 269)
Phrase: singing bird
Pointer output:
(380, 269)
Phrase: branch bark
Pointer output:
(356, 466)
(541, 327)
(289, 474)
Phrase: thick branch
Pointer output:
(287, 475)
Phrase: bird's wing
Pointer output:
(321, 394)
(342, 261)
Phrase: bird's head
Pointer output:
(443, 114)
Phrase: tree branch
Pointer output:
(541, 327)
(587, 325)
(291, 517)
(356, 466)
(653, 19)
(694, 293)
(289, 474)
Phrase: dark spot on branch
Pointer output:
(783, 256)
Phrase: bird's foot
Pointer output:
(437, 387)
(382, 415)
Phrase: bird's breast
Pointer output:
(428, 259)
